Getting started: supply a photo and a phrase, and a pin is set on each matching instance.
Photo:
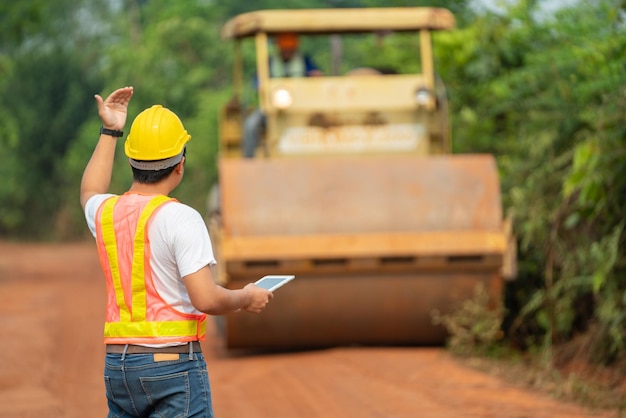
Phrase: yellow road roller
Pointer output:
(353, 189)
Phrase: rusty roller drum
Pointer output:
(376, 243)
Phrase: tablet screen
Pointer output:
(273, 282)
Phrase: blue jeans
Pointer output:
(138, 386)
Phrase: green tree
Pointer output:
(42, 104)
(550, 103)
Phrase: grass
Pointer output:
(568, 372)
(589, 385)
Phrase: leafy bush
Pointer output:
(476, 326)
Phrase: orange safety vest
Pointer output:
(136, 313)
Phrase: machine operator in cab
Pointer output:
(286, 60)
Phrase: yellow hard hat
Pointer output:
(156, 134)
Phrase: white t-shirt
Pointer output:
(179, 243)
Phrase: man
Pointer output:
(287, 61)
(156, 255)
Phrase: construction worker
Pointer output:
(156, 255)
(288, 61)
(285, 61)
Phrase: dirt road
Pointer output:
(51, 356)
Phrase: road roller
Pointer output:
(352, 187)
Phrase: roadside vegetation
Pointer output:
(545, 93)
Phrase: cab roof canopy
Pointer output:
(329, 21)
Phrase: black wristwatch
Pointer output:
(111, 132)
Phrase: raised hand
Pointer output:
(113, 109)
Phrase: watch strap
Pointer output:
(111, 132)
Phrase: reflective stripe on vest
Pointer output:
(296, 67)
(135, 311)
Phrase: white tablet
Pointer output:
(273, 282)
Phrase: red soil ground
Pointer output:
(51, 359)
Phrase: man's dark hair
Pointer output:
(153, 176)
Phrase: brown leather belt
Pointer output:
(139, 349)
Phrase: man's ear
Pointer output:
(180, 167)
